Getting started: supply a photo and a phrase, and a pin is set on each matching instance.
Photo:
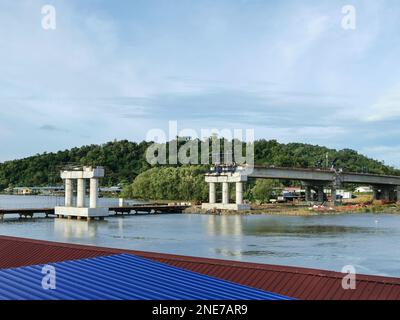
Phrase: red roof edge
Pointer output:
(296, 282)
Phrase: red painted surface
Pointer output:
(300, 283)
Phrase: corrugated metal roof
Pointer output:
(122, 277)
(300, 283)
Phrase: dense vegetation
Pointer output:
(169, 183)
(124, 161)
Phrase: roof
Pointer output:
(121, 277)
(300, 283)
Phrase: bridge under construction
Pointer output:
(386, 187)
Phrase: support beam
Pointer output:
(225, 193)
(239, 192)
(80, 196)
(68, 192)
(398, 193)
(212, 195)
(94, 192)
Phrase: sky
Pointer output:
(117, 69)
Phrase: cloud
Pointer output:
(389, 154)
(387, 107)
(287, 70)
(49, 127)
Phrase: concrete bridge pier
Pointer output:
(386, 193)
(94, 192)
(81, 175)
(225, 193)
(320, 192)
(212, 192)
(228, 178)
(376, 193)
(333, 194)
(318, 187)
(308, 194)
(80, 193)
(397, 191)
(239, 193)
(68, 192)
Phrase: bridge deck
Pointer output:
(313, 174)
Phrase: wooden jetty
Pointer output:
(114, 211)
(148, 208)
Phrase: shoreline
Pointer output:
(294, 210)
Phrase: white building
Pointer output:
(364, 189)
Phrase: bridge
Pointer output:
(386, 187)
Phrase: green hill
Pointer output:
(124, 160)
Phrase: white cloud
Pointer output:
(386, 108)
(389, 154)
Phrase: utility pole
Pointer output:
(327, 160)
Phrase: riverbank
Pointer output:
(304, 210)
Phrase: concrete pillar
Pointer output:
(239, 192)
(212, 195)
(376, 194)
(308, 194)
(320, 193)
(225, 193)
(94, 192)
(386, 194)
(80, 193)
(68, 192)
(333, 194)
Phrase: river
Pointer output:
(371, 243)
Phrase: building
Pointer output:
(364, 189)
(38, 190)
(115, 189)
(23, 191)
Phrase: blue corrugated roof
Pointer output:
(122, 276)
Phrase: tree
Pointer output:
(125, 160)
(169, 183)
(264, 189)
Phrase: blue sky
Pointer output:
(116, 69)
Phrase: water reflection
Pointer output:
(75, 228)
(224, 225)
(246, 253)
(274, 228)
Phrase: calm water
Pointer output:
(369, 242)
